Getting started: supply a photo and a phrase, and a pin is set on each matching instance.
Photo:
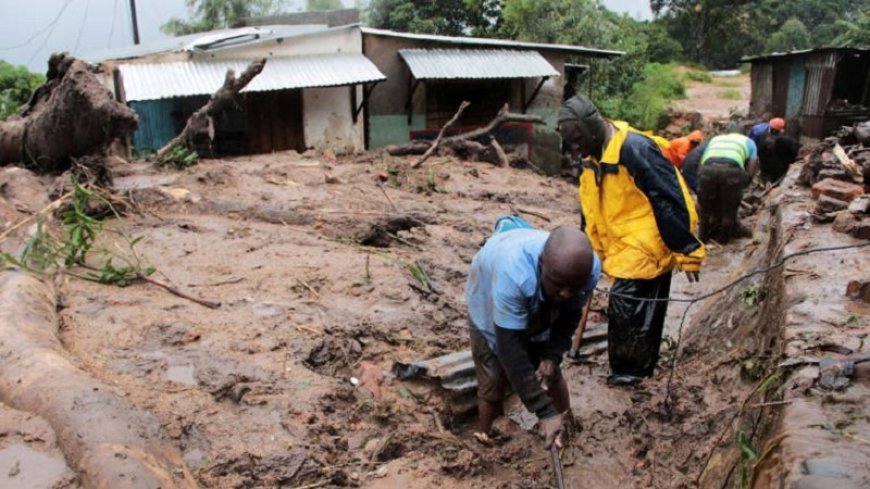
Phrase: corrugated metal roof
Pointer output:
(765, 57)
(190, 41)
(501, 43)
(451, 64)
(182, 79)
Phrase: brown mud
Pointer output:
(329, 271)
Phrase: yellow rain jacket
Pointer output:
(639, 215)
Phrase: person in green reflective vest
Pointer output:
(727, 166)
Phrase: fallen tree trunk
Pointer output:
(70, 116)
(106, 439)
(468, 145)
(198, 133)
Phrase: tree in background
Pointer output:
(207, 15)
(854, 34)
(323, 5)
(445, 17)
(628, 87)
(717, 33)
(793, 35)
(16, 85)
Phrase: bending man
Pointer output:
(525, 293)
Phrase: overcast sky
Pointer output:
(30, 30)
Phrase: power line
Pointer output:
(736, 281)
(693, 301)
(50, 32)
(40, 31)
(112, 29)
(82, 28)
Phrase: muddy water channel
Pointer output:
(288, 383)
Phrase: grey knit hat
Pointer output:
(580, 109)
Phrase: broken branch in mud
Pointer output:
(464, 105)
(71, 115)
(499, 151)
(467, 145)
(199, 130)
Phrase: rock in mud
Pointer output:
(330, 355)
(837, 189)
(857, 290)
(824, 482)
(827, 205)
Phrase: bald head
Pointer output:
(565, 263)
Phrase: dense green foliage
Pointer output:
(16, 85)
(321, 5)
(647, 103)
(855, 32)
(445, 17)
(207, 15)
(791, 36)
(708, 33)
(717, 33)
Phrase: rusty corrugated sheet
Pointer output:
(781, 76)
(762, 88)
(819, 82)
(820, 70)
(154, 81)
(475, 64)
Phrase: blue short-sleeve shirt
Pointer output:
(504, 284)
(758, 131)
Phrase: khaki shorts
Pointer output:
(492, 382)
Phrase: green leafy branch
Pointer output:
(73, 248)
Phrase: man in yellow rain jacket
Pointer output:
(641, 221)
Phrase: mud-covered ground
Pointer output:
(317, 264)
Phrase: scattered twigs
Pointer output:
(519, 210)
(49, 208)
(172, 290)
(310, 289)
(392, 205)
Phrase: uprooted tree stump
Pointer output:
(476, 145)
(70, 116)
(198, 133)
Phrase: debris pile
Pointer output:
(838, 170)
(682, 123)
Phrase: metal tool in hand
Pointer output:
(557, 466)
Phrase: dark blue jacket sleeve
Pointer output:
(656, 177)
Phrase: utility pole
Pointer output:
(135, 22)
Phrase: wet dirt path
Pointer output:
(258, 393)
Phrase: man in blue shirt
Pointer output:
(773, 127)
(525, 294)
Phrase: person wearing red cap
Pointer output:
(679, 148)
(774, 127)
